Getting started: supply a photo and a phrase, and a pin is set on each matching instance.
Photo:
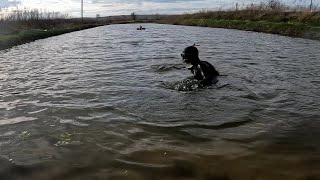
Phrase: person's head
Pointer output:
(190, 55)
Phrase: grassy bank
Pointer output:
(26, 25)
(294, 24)
(25, 36)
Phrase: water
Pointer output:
(92, 105)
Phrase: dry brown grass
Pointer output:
(14, 21)
(312, 18)
(272, 11)
(269, 18)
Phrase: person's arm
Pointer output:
(209, 74)
(197, 73)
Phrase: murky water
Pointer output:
(93, 105)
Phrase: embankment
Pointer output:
(293, 24)
(25, 36)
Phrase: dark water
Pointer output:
(102, 104)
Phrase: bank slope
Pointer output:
(10, 40)
(288, 28)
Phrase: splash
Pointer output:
(188, 84)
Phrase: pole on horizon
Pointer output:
(311, 6)
(81, 11)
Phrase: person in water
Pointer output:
(203, 71)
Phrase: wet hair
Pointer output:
(190, 52)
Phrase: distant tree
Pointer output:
(97, 16)
(311, 6)
(274, 5)
(133, 16)
(157, 16)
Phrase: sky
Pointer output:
(126, 7)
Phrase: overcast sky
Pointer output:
(123, 7)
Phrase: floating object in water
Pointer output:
(141, 28)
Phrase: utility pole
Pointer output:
(311, 6)
(82, 11)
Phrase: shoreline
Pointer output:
(280, 28)
(291, 24)
(10, 40)
(299, 30)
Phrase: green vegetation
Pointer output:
(282, 28)
(269, 18)
(24, 135)
(64, 139)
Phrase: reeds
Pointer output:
(22, 26)
(29, 15)
(13, 21)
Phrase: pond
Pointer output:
(95, 104)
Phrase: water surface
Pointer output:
(92, 105)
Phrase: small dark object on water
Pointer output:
(141, 28)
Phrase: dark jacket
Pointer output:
(205, 73)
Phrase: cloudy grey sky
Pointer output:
(121, 7)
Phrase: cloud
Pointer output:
(123, 7)
(9, 3)
(140, 1)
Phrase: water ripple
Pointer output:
(115, 91)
